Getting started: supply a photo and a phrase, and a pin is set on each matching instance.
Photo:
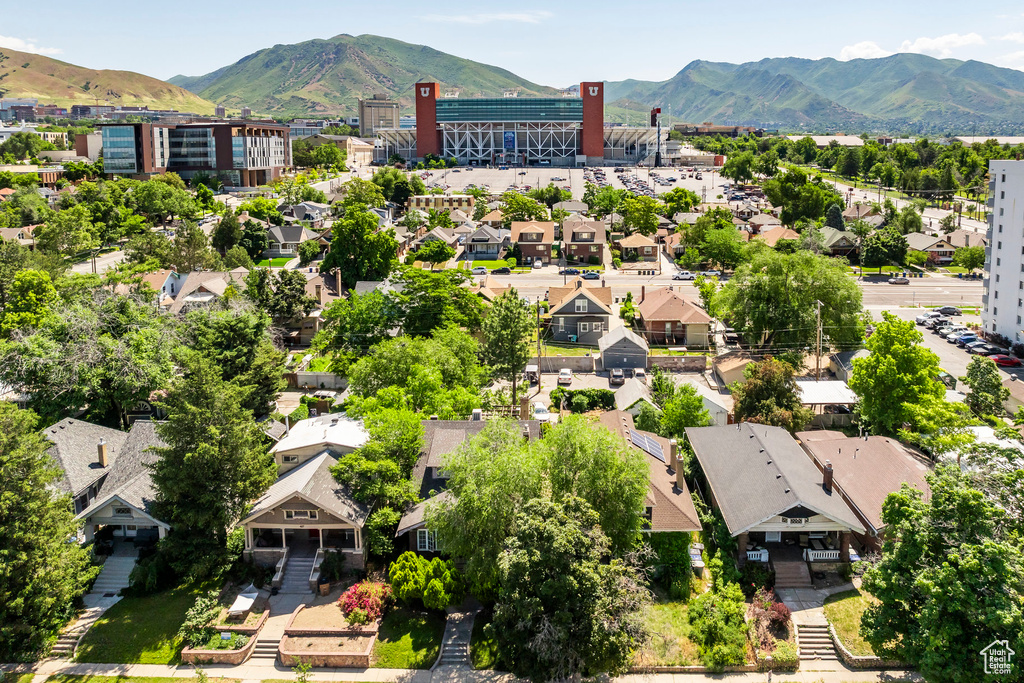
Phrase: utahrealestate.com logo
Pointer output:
(998, 658)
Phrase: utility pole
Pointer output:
(817, 354)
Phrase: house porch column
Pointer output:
(844, 546)
(283, 542)
(160, 532)
(741, 548)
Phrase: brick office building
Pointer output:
(241, 154)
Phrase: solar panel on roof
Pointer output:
(647, 444)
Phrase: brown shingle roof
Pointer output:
(545, 228)
(666, 304)
(772, 236)
(558, 295)
(636, 240)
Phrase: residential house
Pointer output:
(864, 472)
(668, 318)
(578, 313)
(638, 247)
(730, 366)
(493, 218)
(763, 221)
(22, 236)
(306, 509)
(673, 246)
(632, 396)
(965, 238)
(489, 288)
(1016, 397)
(859, 211)
(838, 242)
(668, 506)
(718, 405)
(774, 501)
(623, 348)
(443, 202)
(284, 240)
(841, 363)
(459, 217)
(310, 214)
(323, 290)
(440, 438)
(584, 241)
(6, 193)
(772, 236)
(165, 284)
(535, 239)
(446, 235)
(487, 243)
(746, 211)
(937, 248)
(201, 288)
(107, 475)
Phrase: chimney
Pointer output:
(287, 425)
(579, 283)
(680, 479)
(643, 293)
(524, 408)
(319, 293)
(478, 415)
(101, 453)
(826, 482)
(673, 454)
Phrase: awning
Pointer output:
(243, 603)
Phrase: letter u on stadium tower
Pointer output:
(592, 139)
(428, 137)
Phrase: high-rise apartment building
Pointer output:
(219, 111)
(1003, 300)
(241, 154)
(377, 112)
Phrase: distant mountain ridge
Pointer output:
(330, 76)
(23, 74)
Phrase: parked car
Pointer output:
(479, 270)
(937, 322)
(591, 275)
(505, 270)
(730, 336)
(538, 264)
(617, 376)
(683, 275)
(565, 376)
(711, 273)
(984, 349)
(955, 334)
(899, 281)
(965, 339)
(925, 317)
(542, 414)
(1005, 360)
(948, 310)
(640, 374)
(569, 271)
(836, 410)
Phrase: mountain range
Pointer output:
(23, 74)
(909, 93)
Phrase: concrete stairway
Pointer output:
(114, 575)
(792, 575)
(66, 643)
(296, 574)
(814, 642)
(455, 643)
(266, 649)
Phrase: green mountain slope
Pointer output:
(23, 74)
(329, 76)
(903, 91)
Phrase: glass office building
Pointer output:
(510, 109)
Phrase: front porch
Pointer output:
(794, 546)
(269, 545)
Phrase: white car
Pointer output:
(538, 264)
(565, 376)
(542, 414)
(683, 275)
(712, 273)
(640, 374)
(922, 319)
(480, 270)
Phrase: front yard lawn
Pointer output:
(12, 677)
(408, 639)
(843, 611)
(319, 364)
(274, 263)
(489, 265)
(670, 643)
(566, 349)
(140, 630)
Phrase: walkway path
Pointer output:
(458, 632)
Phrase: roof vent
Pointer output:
(787, 491)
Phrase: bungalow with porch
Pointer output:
(487, 243)
(284, 240)
(638, 248)
(668, 318)
(534, 238)
(106, 472)
(763, 221)
(440, 438)
(773, 499)
(306, 510)
(775, 234)
(938, 249)
(310, 214)
(580, 314)
(864, 472)
(838, 242)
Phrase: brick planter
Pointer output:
(341, 658)
(235, 657)
(355, 630)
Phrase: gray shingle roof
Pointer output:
(757, 472)
(130, 478)
(632, 392)
(618, 334)
(74, 451)
(312, 480)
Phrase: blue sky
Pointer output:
(553, 43)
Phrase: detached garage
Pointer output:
(622, 348)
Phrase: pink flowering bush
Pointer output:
(370, 598)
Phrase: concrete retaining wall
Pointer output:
(304, 378)
(234, 657)
(574, 363)
(857, 662)
(679, 363)
(339, 659)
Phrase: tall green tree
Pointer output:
(969, 258)
(358, 250)
(31, 297)
(254, 239)
(949, 582)
(214, 463)
(357, 323)
(769, 395)
(190, 249)
(67, 232)
(987, 391)
(679, 200)
(882, 248)
(899, 373)
(739, 167)
(516, 207)
(684, 409)
(42, 570)
(507, 328)
(550, 195)
(564, 611)
(640, 214)
(227, 233)
(773, 301)
(434, 252)
(430, 300)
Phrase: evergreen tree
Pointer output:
(42, 571)
(834, 217)
(507, 328)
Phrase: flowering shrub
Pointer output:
(372, 597)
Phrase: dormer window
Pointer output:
(581, 305)
(300, 514)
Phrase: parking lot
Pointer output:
(498, 181)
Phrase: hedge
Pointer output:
(582, 400)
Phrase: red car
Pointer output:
(1003, 359)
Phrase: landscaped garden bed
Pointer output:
(337, 630)
(327, 650)
(225, 639)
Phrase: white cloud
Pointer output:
(863, 50)
(26, 46)
(1015, 37)
(942, 46)
(1014, 60)
(528, 17)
